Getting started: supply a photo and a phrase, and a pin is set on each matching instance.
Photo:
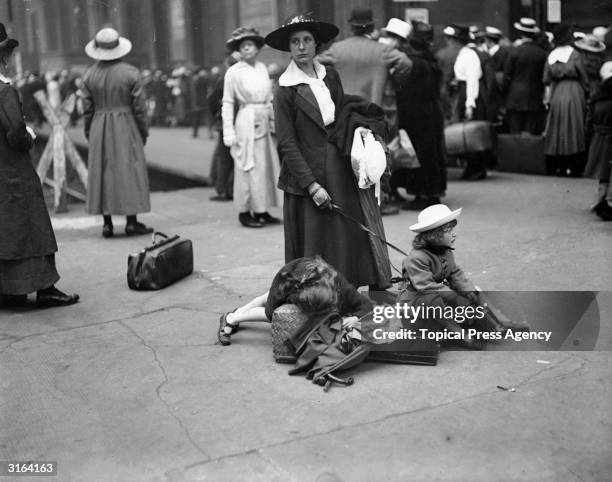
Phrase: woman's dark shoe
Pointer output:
(222, 336)
(604, 210)
(107, 231)
(53, 297)
(267, 219)
(249, 221)
(137, 229)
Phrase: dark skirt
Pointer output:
(564, 134)
(23, 276)
(600, 157)
(310, 231)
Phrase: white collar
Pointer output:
(293, 75)
(493, 50)
(4, 79)
(560, 54)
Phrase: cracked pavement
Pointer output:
(131, 385)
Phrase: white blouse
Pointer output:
(467, 68)
(293, 75)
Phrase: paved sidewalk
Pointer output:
(131, 386)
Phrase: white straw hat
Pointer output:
(527, 24)
(108, 45)
(433, 217)
(398, 27)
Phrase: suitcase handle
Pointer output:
(156, 245)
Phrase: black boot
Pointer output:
(249, 221)
(265, 218)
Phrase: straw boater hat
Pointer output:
(398, 27)
(526, 24)
(433, 217)
(6, 42)
(361, 17)
(323, 32)
(590, 43)
(108, 45)
(244, 33)
(493, 33)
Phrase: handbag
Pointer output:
(164, 262)
(468, 137)
(403, 155)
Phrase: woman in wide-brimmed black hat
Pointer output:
(247, 116)
(27, 241)
(313, 174)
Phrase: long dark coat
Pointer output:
(25, 227)
(116, 126)
(523, 77)
(308, 155)
(420, 115)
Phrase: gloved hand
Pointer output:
(229, 140)
(320, 196)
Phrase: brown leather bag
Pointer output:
(160, 264)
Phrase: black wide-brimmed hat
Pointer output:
(422, 33)
(459, 32)
(322, 31)
(244, 33)
(361, 17)
(6, 42)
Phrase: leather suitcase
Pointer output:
(160, 264)
(469, 137)
(521, 153)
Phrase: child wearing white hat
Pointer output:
(433, 279)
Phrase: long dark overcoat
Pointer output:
(523, 77)
(25, 227)
(116, 126)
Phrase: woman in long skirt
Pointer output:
(247, 130)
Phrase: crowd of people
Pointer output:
(286, 136)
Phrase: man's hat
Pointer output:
(493, 33)
(108, 45)
(422, 33)
(526, 24)
(322, 31)
(433, 217)
(244, 33)
(459, 32)
(361, 17)
(5, 41)
(398, 27)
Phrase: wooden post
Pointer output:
(57, 149)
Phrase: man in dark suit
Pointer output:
(523, 80)
(494, 72)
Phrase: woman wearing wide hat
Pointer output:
(27, 241)
(313, 174)
(248, 121)
(566, 93)
(116, 127)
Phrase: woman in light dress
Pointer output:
(248, 124)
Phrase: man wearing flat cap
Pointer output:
(359, 58)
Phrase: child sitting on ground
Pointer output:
(432, 279)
